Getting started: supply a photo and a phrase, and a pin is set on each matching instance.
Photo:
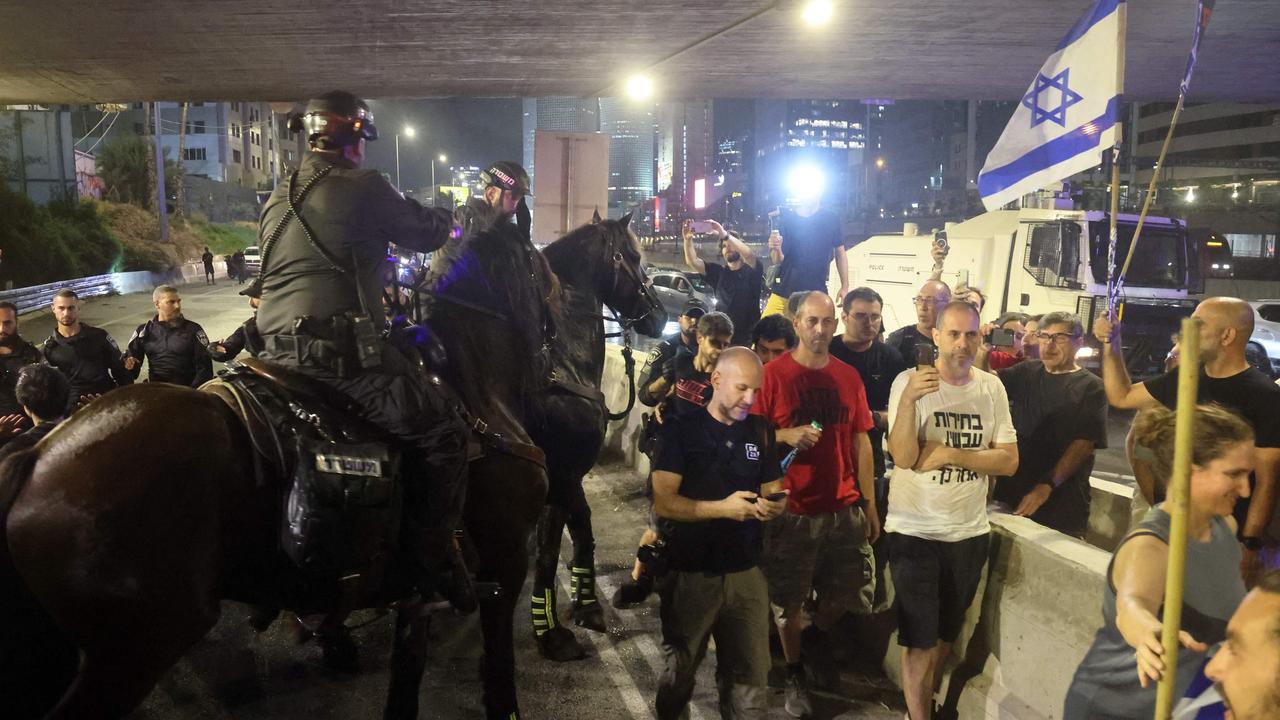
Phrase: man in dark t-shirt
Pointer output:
(804, 244)
(877, 364)
(1226, 378)
(929, 301)
(715, 472)
(689, 377)
(737, 283)
(1060, 412)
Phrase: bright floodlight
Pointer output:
(639, 87)
(1191, 194)
(817, 13)
(442, 158)
(806, 182)
(409, 131)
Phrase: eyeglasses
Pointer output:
(1059, 338)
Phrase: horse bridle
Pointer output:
(619, 266)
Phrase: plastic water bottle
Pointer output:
(791, 456)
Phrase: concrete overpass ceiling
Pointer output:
(78, 51)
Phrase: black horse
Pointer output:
(540, 387)
(568, 421)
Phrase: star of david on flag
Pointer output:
(1068, 114)
(1041, 97)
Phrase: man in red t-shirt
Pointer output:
(824, 542)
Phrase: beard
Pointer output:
(733, 257)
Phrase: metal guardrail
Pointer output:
(37, 296)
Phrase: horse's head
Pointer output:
(626, 289)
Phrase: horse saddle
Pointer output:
(338, 473)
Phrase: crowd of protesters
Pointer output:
(923, 433)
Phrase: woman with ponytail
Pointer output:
(1118, 676)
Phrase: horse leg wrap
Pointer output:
(585, 607)
(555, 641)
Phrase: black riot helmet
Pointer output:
(335, 120)
(507, 175)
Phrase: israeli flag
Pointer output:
(1067, 116)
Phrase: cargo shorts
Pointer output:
(827, 553)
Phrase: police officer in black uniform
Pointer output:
(246, 337)
(87, 355)
(324, 237)
(660, 363)
(15, 353)
(174, 347)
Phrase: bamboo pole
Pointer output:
(1151, 186)
(1177, 501)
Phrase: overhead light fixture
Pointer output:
(639, 87)
(442, 158)
(409, 131)
(817, 13)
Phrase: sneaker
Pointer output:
(798, 703)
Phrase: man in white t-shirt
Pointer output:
(949, 431)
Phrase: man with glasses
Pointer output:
(877, 363)
(1060, 413)
(932, 297)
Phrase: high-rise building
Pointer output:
(569, 114)
(630, 127)
(686, 151)
(794, 133)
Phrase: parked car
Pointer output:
(1263, 350)
(676, 288)
(252, 260)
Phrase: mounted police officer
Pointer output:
(324, 237)
(505, 186)
(173, 345)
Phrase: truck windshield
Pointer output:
(1160, 260)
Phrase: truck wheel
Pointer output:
(1256, 356)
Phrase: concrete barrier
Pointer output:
(1038, 610)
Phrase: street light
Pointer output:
(639, 87)
(408, 132)
(817, 13)
(442, 160)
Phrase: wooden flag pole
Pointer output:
(1177, 500)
